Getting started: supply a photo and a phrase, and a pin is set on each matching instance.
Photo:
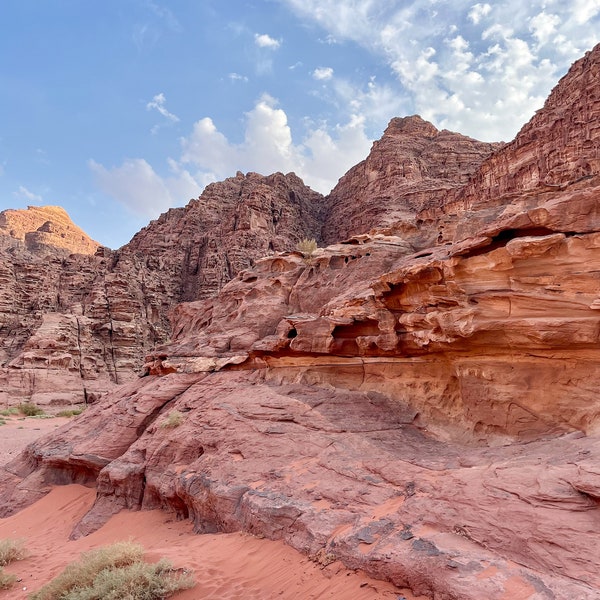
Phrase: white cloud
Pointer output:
(237, 77)
(478, 12)
(264, 40)
(158, 103)
(481, 68)
(141, 190)
(320, 158)
(25, 194)
(323, 73)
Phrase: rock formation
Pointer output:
(411, 166)
(73, 326)
(427, 414)
(44, 227)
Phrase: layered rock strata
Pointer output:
(73, 326)
(44, 228)
(430, 416)
(413, 166)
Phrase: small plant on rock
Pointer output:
(174, 419)
(307, 247)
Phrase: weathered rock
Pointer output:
(44, 228)
(72, 326)
(412, 166)
(429, 416)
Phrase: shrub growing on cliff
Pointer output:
(174, 419)
(115, 572)
(307, 247)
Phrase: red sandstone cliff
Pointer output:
(73, 326)
(410, 167)
(44, 227)
(429, 416)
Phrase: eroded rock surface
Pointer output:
(412, 166)
(44, 228)
(74, 326)
(427, 414)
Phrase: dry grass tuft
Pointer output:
(174, 419)
(6, 579)
(11, 550)
(115, 572)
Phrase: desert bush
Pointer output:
(115, 572)
(307, 247)
(6, 579)
(11, 550)
(71, 412)
(174, 419)
(29, 409)
(11, 410)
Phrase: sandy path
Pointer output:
(226, 566)
(20, 431)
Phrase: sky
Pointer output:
(121, 109)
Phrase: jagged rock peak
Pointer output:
(43, 228)
(411, 165)
(413, 125)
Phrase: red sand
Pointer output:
(19, 431)
(226, 566)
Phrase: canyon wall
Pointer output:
(426, 413)
(74, 325)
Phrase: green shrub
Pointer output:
(174, 419)
(11, 550)
(115, 572)
(29, 409)
(11, 410)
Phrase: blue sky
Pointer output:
(118, 110)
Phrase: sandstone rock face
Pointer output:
(411, 166)
(44, 227)
(429, 416)
(73, 326)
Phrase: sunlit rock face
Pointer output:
(413, 166)
(419, 402)
(75, 324)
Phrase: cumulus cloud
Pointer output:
(141, 190)
(268, 146)
(322, 156)
(462, 66)
(25, 194)
(263, 40)
(323, 73)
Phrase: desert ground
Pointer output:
(226, 566)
